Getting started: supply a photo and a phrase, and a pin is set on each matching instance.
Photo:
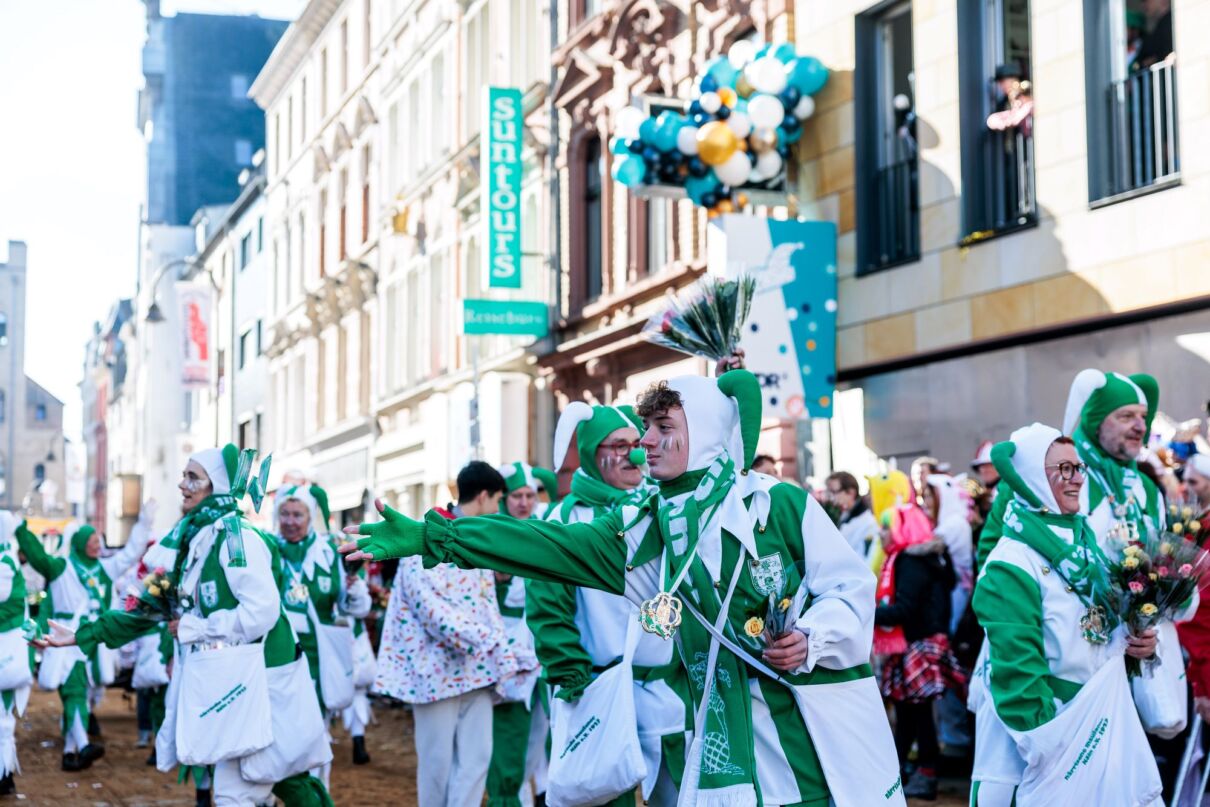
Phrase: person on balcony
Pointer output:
(1157, 43)
(1016, 110)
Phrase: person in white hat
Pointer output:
(983, 466)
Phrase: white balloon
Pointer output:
(686, 140)
(740, 123)
(766, 111)
(768, 165)
(805, 108)
(741, 53)
(766, 74)
(710, 102)
(628, 121)
(735, 171)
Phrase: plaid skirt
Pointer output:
(925, 671)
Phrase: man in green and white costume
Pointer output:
(81, 587)
(517, 732)
(801, 724)
(579, 632)
(316, 589)
(17, 664)
(1055, 653)
(229, 573)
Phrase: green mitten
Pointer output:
(396, 536)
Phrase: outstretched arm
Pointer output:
(592, 554)
(42, 561)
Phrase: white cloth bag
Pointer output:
(335, 645)
(223, 704)
(14, 661)
(300, 740)
(997, 760)
(365, 666)
(595, 751)
(1093, 751)
(1162, 697)
(150, 671)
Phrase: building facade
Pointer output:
(983, 265)
(104, 374)
(32, 449)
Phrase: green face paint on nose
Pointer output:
(637, 456)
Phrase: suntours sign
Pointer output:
(501, 186)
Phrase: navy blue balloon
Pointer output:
(651, 154)
(783, 149)
(790, 97)
(710, 199)
(668, 173)
(708, 83)
(723, 113)
(791, 124)
(698, 168)
(701, 119)
(753, 157)
(695, 108)
(636, 146)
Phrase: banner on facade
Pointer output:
(510, 317)
(504, 129)
(790, 336)
(195, 304)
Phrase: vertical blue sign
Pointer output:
(501, 186)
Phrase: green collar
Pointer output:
(684, 483)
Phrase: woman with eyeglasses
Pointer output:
(1055, 723)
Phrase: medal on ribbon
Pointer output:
(1092, 625)
(661, 615)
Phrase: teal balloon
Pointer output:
(630, 171)
(789, 137)
(667, 126)
(762, 52)
(721, 70)
(697, 187)
(806, 74)
(785, 53)
(618, 146)
(647, 131)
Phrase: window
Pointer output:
(323, 83)
(40, 412)
(243, 152)
(323, 233)
(260, 235)
(368, 44)
(3, 406)
(245, 434)
(257, 430)
(290, 127)
(592, 258)
(239, 87)
(438, 109)
(302, 252)
(277, 143)
(344, 57)
(3, 330)
(302, 117)
(995, 74)
(344, 213)
(477, 57)
(888, 199)
(39, 472)
(365, 194)
(1130, 84)
(260, 337)
(245, 250)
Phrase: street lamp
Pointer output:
(154, 314)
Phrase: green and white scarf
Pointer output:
(1115, 481)
(211, 509)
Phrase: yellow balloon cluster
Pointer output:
(716, 143)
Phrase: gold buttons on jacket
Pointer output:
(1045, 570)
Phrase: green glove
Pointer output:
(396, 536)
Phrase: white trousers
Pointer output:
(8, 741)
(453, 749)
(230, 788)
(356, 716)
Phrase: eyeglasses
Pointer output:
(619, 447)
(1067, 470)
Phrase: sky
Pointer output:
(73, 166)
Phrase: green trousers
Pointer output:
(302, 790)
(510, 741)
(74, 695)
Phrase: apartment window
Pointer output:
(344, 213)
(277, 143)
(365, 194)
(3, 406)
(39, 472)
(1130, 84)
(302, 251)
(243, 152)
(246, 347)
(344, 57)
(323, 233)
(260, 235)
(591, 168)
(888, 199)
(995, 81)
(290, 127)
(245, 434)
(40, 412)
(477, 67)
(439, 111)
(323, 83)
(3, 330)
(260, 338)
(245, 251)
(239, 87)
(257, 427)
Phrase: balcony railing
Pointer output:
(1008, 199)
(897, 238)
(1144, 148)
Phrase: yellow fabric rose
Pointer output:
(1130, 563)
(1178, 529)
(1195, 526)
(784, 605)
(1148, 609)
(754, 627)
(1132, 551)
(1165, 548)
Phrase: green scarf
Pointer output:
(599, 496)
(1114, 480)
(295, 553)
(210, 510)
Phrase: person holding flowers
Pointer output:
(580, 632)
(81, 588)
(797, 719)
(1055, 720)
(320, 597)
(220, 590)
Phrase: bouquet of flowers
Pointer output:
(780, 611)
(159, 597)
(1153, 577)
(706, 320)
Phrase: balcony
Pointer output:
(896, 236)
(1144, 147)
(1004, 201)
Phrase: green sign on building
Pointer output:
(514, 317)
(502, 188)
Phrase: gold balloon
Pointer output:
(763, 140)
(725, 206)
(727, 96)
(716, 143)
(743, 88)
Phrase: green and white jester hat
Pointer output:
(1095, 395)
(305, 495)
(519, 475)
(589, 426)
(1021, 463)
(220, 465)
